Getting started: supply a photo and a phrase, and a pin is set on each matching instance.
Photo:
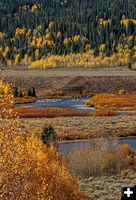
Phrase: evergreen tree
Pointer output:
(49, 136)
(29, 93)
(33, 93)
(15, 92)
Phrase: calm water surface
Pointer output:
(73, 103)
(67, 147)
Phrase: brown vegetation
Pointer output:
(27, 112)
(100, 159)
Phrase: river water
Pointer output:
(67, 147)
(73, 103)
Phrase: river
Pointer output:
(67, 147)
(72, 103)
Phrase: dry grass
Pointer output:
(27, 112)
(74, 135)
(99, 159)
(68, 128)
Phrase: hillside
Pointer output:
(36, 29)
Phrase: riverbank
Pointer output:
(85, 127)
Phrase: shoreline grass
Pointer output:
(28, 112)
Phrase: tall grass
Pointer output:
(97, 159)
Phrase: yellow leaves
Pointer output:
(125, 21)
(103, 22)
(39, 42)
(77, 39)
(59, 35)
(7, 49)
(33, 43)
(43, 41)
(20, 31)
(120, 48)
(87, 47)
(67, 41)
(102, 48)
(130, 38)
(5, 52)
(2, 35)
(17, 59)
(51, 25)
(40, 27)
(86, 59)
(24, 8)
(6, 89)
(48, 36)
(37, 53)
(35, 7)
(23, 31)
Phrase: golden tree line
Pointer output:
(83, 60)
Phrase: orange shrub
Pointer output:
(105, 111)
(117, 101)
(48, 112)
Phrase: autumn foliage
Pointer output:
(28, 112)
(121, 101)
(29, 170)
(86, 59)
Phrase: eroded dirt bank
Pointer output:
(72, 81)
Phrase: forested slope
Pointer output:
(34, 29)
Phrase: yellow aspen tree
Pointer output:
(51, 25)
(17, 59)
(28, 169)
(59, 35)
